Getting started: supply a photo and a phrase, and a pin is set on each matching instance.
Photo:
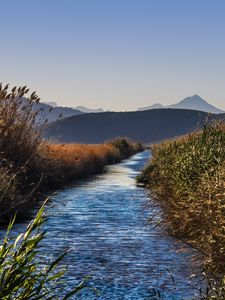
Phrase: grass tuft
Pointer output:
(23, 275)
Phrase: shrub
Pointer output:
(126, 147)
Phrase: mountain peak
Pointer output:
(194, 102)
(194, 98)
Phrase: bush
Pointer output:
(126, 147)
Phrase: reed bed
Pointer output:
(75, 161)
(187, 178)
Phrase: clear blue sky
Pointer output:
(117, 54)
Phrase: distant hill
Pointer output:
(51, 103)
(194, 102)
(145, 126)
(53, 113)
(79, 108)
(89, 110)
(154, 106)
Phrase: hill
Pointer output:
(79, 108)
(144, 126)
(194, 102)
(154, 106)
(89, 110)
(55, 112)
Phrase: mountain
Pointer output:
(197, 103)
(194, 102)
(89, 110)
(144, 126)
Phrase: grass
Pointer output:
(187, 178)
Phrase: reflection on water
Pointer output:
(104, 222)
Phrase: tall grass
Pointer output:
(75, 161)
(187, 178)
(20, 138)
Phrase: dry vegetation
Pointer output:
(29, 166)
(187, 178)
(71, 161)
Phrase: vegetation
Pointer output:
(80, 160)
(20, 138)
(22, 275)
(30, 166)
(187, 178)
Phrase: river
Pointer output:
(104, 220)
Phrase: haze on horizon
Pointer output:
(118, 55)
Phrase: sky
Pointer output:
(115, 54)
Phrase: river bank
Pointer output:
(186, 178)
(57, 165)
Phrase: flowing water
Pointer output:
(104, 220)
